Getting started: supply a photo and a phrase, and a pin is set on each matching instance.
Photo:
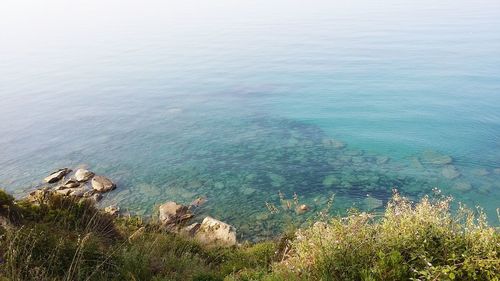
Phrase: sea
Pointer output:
(258, 106)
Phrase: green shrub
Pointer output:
(422, 241)
(60, 238)
(69, 213)
(42, 253)
(8, 208)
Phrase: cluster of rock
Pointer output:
(173, 216)
(448, 170)
(77, 185)
(210, 231)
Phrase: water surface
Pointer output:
(238, 101)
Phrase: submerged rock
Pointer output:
(450, 172)
(276, 180)
(481, 172)
(247, 190)
(216, 233)
(302, 209)
(372, 203)
(57, 175)
(353, 152)
(462, 186)
(198, 202)
(330, 180)
(333, 143)
(380, 160)
(435, 158)
(172, 213)
(219, 185)
(262, 216)
(415, 164)
(83, 175)
(357, 160)
(484, 189)
(102, 184)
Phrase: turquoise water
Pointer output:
(239, 101)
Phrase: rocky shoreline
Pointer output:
(173, 217)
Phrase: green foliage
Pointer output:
(421, 241)
(40, 253)
(156, 254)
(59, 238)
(259, 255)
(8, 208)
(69, 213)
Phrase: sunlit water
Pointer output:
(236, 101)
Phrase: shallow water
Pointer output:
(238, 101)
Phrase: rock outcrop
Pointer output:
(213, 232)
(57, 175)
(190, 230)
(71, 183)
(173, 214)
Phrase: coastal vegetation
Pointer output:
(58, 237)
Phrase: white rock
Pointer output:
(216, 233)
(102, 184)
(172, 213)
(83, 175)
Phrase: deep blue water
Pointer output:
(236, 101)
